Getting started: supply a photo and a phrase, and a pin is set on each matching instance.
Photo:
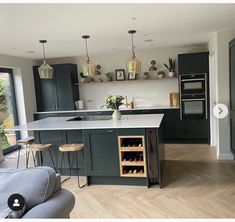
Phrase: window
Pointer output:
(8, 111)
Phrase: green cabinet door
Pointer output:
(101, 151)
(172, 125)
(196, 130)
(65, 92)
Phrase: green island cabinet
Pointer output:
(103, 162)
(59, 93)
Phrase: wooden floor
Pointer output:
(196, 186)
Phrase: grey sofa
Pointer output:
(41, 188)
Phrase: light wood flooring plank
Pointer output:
(196, 186)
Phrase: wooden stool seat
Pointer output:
(39, 147)
(25, 141)
(71, 147)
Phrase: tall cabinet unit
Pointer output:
(232, 92)
(59, 93)
(192, 65)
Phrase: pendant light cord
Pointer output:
(86, 49)
(44, 57)
(132, 42)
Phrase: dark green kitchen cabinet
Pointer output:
(193, 63)
(172, 126)
(59, 93)
(195, 130)
(101, 151)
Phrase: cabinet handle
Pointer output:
(110, 131)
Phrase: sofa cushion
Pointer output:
(36, 185)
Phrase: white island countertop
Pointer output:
(61, 123)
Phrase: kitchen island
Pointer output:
(128, 152)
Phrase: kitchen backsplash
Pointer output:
(142, 93)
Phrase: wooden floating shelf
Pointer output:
(126, 81)
(132, 163)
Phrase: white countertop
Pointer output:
(100, 110)
(61, 123)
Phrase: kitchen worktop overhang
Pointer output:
(62, 123)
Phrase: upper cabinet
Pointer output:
(193, 63)
(59, 93)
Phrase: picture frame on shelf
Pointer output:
(120, 74)
(131, 76)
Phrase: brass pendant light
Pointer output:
(89, 68)
(45, 70)
(133, 65)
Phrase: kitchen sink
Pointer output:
(90, 118)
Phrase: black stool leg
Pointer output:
(78, 169)
(41, 158)
(70, 167)
(52, 160)
(34, 162)
(18, 158)
(27, 158)
(61, 164)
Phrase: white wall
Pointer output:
(24, 86)
(148, 93)
(223, 39)
(214, 122)
(219, 46)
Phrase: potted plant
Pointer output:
(83, 77)
(109, 76)
(171, 67)
(114, 102)
(161, 74)
(146, 75)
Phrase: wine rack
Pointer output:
(132, 156)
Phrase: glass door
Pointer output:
(8, 111)
(193, 109)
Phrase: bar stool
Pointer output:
(69, 148)
(23, 142)
(39, 148)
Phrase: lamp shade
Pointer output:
(45, 71)
(89, 68)
(133, 65)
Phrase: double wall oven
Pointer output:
(193, 96)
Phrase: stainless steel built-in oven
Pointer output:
(192, 83)
(193, 108)
(193, 96)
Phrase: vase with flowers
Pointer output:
(114, 102)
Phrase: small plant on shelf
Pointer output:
(171, 67)
(161, 74)
(146, 75)
(83, 77)
(109, 76)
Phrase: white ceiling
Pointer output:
(168, 25)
